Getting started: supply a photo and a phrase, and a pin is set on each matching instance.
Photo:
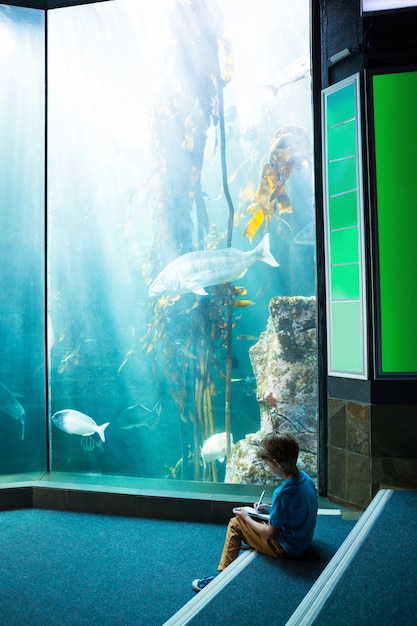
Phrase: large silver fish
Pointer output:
(195, 270)
(10, 405)
(77, 423)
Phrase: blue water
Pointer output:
(133, 121)
(22, 362)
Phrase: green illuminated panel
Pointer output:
(346, 348)
(342, 176)
(345, 282)
(341, 105)
(341, 140)
(344, 246)
(343, 209)
(395, 97)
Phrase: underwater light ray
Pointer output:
(286, 21)
(101, 73)
(7, 42)
(99, 110)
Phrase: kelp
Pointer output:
(289, 150)
(184, 335)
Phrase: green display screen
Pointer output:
(343, 209)
(395, 123)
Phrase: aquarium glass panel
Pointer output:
(22, 319)
(343, 219)
(396, 134)
(180, 219)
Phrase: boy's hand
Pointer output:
(262, 508)
(241, 512)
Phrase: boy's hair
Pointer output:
(281, 446)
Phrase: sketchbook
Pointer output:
(254, 513)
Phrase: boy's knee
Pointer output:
(234, 523)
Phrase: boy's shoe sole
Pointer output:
(199, 583)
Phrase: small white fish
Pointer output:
(215, 448)
(10, 405)
(195, 270)
(77, 423)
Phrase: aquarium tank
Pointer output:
(158, 267)
(22, 251)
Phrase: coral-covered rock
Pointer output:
(284, 363)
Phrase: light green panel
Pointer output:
(395, 97)
(341, 105)
(346, 329)
(343, 210)
(341, 176)
(341, 140)
(345, 282)
(344, 246)
(343, 203)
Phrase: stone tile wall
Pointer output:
(369, 447)
(349, 466)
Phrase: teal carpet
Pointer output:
(269, 590)
(380, 584)
(64, 568)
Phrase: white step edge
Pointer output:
(313, 602)
(203, 597)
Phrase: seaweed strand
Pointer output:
(229, 349)
(224, 166)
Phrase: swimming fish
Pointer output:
(90, 443)
(195, 270)
(77, 423)
(215, 448)
(242, 303)
(249, 386)
(138, 415)
(11, 406)
(295, 71)
(306, 236)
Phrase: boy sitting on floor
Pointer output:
(292, 516)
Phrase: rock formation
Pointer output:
(284, 362)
